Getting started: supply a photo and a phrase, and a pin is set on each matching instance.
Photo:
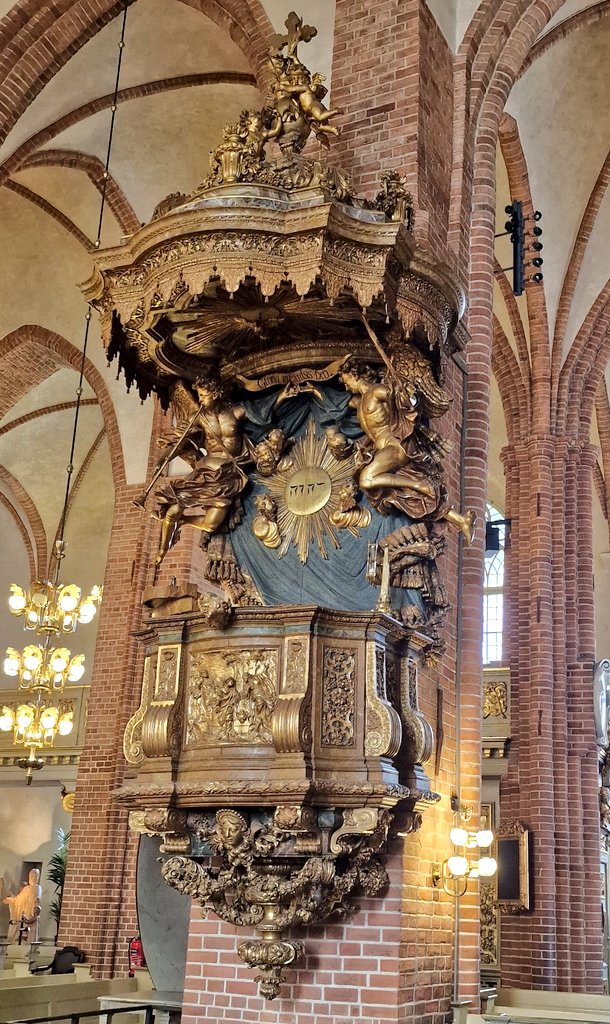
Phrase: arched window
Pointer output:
(492, 587)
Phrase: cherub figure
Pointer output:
(264, 524)
(298, 101)
(349, 515)
(297, 94)
(395, 469)
(269, 455)
(340, 445)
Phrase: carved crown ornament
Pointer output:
(300, 337)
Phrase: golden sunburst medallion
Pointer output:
(308, 494)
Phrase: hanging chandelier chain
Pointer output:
(113, 110)
(59, 543)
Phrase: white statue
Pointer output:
(24, 908)
(601, 697)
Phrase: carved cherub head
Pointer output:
(231, 828)
(339, 444)
(348, 495)
(266, 506)
(276, 439)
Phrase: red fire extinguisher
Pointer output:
(136, 955)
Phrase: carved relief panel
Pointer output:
(231, 696)
(338, 697)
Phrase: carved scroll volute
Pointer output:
(419, 735)
(132, 739)
(291, 721)
(161, 725)
(168, 822)
(383, 729)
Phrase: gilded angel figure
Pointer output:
(212, 442)
(400, 461)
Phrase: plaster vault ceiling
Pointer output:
(186, 78)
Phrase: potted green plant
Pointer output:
(56, 873)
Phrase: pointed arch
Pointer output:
(35, 42)
(33, 371)
(509, 379)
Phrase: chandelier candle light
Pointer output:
(53, 607)
(47, 667)
(50, 608)
(35, 726)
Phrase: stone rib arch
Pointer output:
(518, 178)
(67, 354)
(579, 360)
(36, 533)
(588, 16)
(80, 476)
(35, 51)
(25, 537)
(51, 211)
(509, 379)
(576, 259)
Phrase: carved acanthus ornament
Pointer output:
(267, 881)
(338, 696)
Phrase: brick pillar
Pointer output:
(552, 783)
(398, 103)
(99, 903)
(98, 909)
(393, 78)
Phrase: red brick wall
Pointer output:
(392, 78)
(393, 959)
(98, 909)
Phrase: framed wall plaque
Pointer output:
(513, 867)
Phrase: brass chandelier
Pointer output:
(50, 608)
(53, 607)
(35, 726)
(47, 667)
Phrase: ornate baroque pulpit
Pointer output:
(300, 337)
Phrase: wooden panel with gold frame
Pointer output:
(489, 912)
(513, 867)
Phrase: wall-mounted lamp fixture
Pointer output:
(525, 238)
(471, 857)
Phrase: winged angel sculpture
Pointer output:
(400, 460)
